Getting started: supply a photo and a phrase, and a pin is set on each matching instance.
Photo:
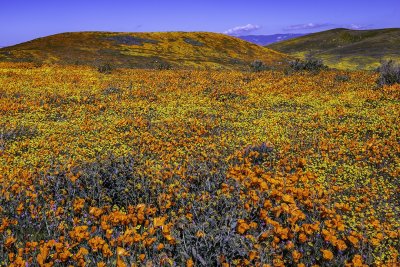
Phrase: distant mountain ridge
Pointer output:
(269, 39)
(198, 50)
(346, 49)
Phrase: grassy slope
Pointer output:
(346, 49)
(142, 50)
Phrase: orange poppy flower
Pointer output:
(189, 263)
(122, 252)
(287, 198)
(200, 234)
(10, 241)
(242, 226)
(159, 221)
(106, 251)
(252, 255)
(327, 254)
(120, 263)
(296, 255)
(353, 240)
(357, 261)
(302, 238)
(341, 245)
(142, 257)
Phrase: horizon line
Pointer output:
(177, 31)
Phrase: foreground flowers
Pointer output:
(197, 168)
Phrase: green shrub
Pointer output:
(111, 90)
(389, 73)
(105, 68)
(193, 42)
(162, 65)
(258, 65)
(10, 134)
(309, 63)
(14, 133)
(342, 78)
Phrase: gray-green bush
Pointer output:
(310, 63)
(389, 73)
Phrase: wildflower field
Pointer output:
(197, 168)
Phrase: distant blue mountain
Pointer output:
(269, 39)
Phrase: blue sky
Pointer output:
(25, 20)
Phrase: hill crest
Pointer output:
(344, 48)
(142, 50)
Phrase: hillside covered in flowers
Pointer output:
(143, 50)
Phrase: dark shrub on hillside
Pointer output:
(162, 65)
(10, 134)
(260, 153)
(229, 96)
(16, 132)
(104, 68)
(111, 90)
(309, 63)
(258, 65)
(193, 42)
(131, 40)
(389, 73)
(342, 78)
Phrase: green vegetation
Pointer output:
(258, 65)
(346, 49)
(166, 50)
(104, 68)
(389, 73)
(309, 63)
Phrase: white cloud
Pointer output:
(307, 26)
(354, 27)
(312, 26)
(238, 30)
(358, 27)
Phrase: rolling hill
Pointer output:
(142, 50)
(346, 49)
